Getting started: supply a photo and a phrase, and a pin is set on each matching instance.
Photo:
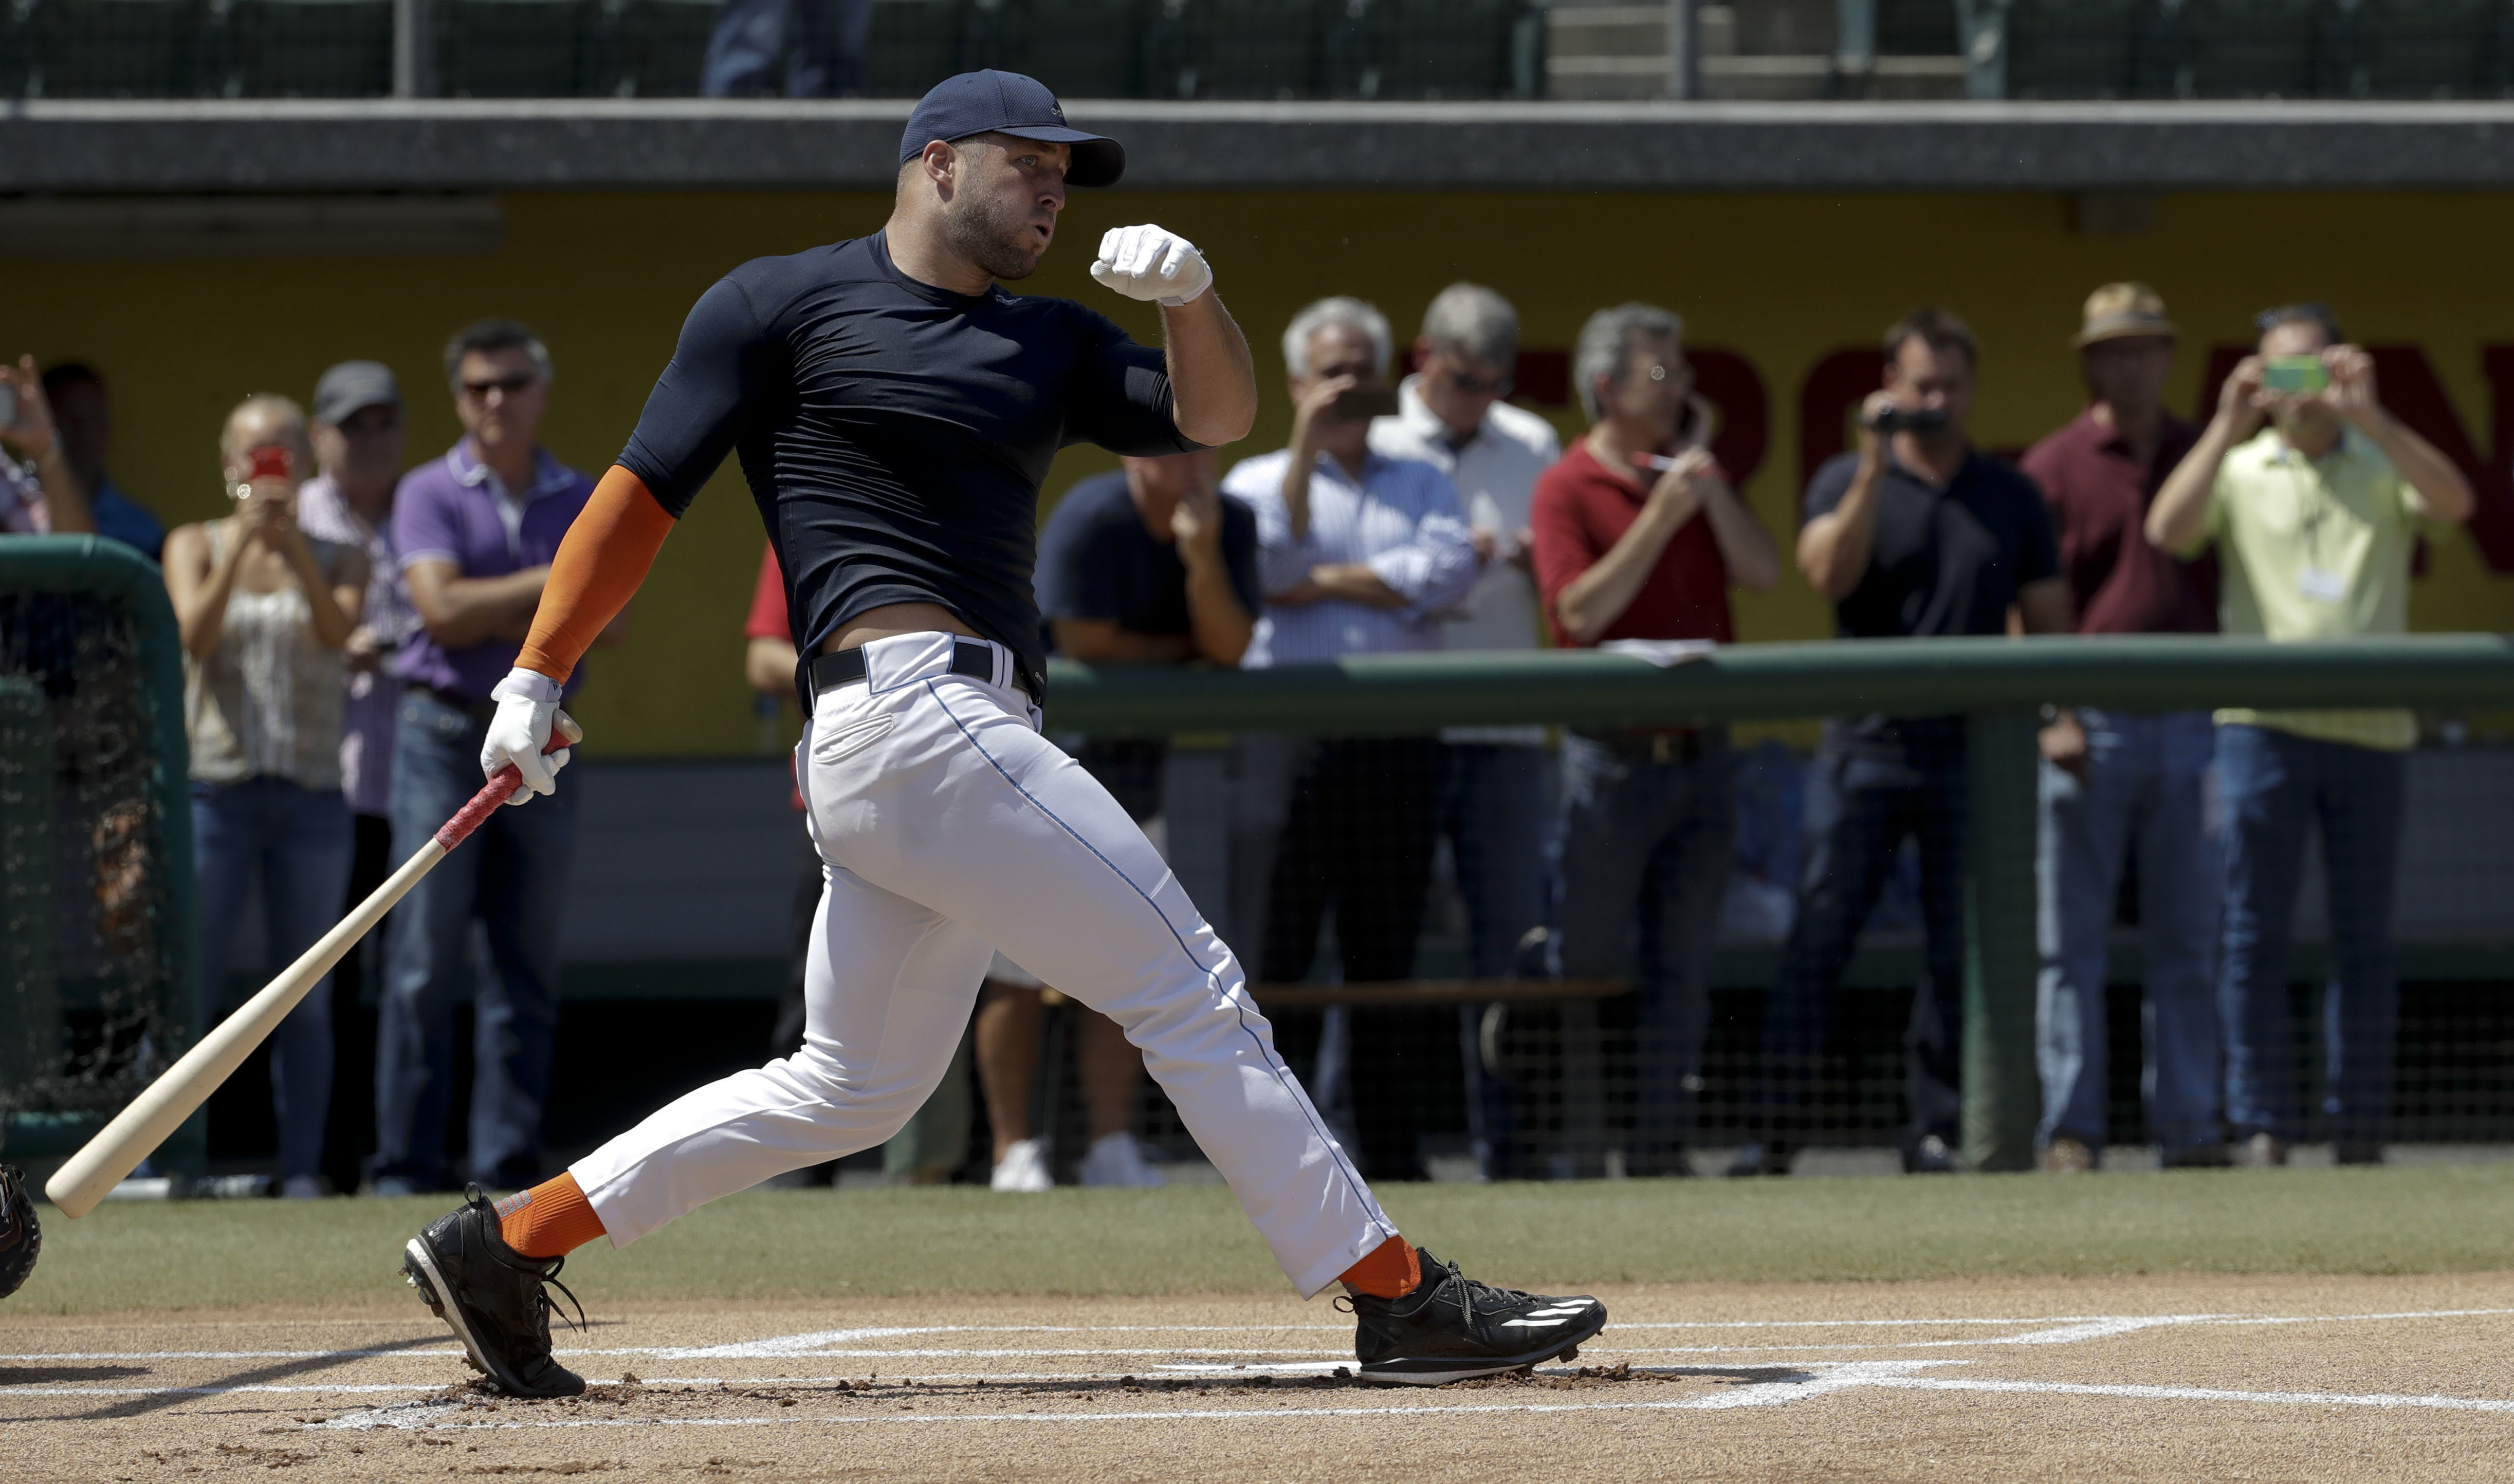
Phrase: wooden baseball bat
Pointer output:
(163, 1104)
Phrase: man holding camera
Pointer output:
(2118, 784)
(2313, 495)
(1916, 535)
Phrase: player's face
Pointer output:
(1006, 195)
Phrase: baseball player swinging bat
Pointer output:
(895, 408)
(139, 1128)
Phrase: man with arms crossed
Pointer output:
(894, 410)
(1150, 564)
(2313, 498)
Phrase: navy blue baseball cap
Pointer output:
(1007, 102)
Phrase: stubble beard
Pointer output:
(989, 235)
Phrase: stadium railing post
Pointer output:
(2002, 1088)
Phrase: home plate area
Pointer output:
(2267, 1377)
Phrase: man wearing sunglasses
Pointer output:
(476, 530)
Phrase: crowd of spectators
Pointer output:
(343, 626)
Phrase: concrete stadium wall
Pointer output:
(1785, 295)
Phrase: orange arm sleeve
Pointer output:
(606, 555)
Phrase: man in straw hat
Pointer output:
(2118, 784)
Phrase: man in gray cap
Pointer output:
(358, 448)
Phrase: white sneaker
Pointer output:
(301, 1188)
(1024, 1168)
(1116, 1159)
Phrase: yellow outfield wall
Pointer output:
(1784, 296)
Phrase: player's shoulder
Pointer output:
(769, 285)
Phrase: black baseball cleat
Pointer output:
(1454, 1328)
(492, 1297)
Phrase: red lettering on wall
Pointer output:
(1729, 382)
(1833, 387)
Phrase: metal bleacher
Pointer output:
(1222, 48)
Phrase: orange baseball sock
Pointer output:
(549, 1221)
(1391, 1271)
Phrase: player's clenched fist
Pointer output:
(527, 713)
(1151, 263)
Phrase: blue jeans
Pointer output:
(511, 874)
(2146, 777)
(1647, 841)
(297, 842)
(801, 47)
(2275, 786)
(1861, 808)
(1495, 812)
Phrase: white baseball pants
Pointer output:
(953, 830)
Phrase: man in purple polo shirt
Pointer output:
(476, 531)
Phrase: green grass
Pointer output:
(796, 1244)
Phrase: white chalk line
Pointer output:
(2066, 1327)
(1849, 1376)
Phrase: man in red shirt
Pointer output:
(2116, 782)
(1626, 553)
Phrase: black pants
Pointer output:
(1858, 813)
(1358, 837)
(349, 1136)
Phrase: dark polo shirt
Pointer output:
(2100, 493)
(1944, 563)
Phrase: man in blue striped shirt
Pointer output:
(1358, 555)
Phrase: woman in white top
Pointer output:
(265, 612)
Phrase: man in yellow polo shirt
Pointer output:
(2314, 516)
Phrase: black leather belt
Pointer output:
(847, 666)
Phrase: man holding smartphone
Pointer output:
(1918, 534)
(1357, 553)
(2313, 495)
(1625, 549)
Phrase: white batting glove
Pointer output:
(1151, 263)
(527, 711)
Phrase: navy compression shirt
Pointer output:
(894, 433)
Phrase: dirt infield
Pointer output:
(2175, 1378)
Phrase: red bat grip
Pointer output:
(491, 798)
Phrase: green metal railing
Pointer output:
(2000, 685)
(122, 577)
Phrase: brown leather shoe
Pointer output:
(2261, 1152)
(2067, 1155)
